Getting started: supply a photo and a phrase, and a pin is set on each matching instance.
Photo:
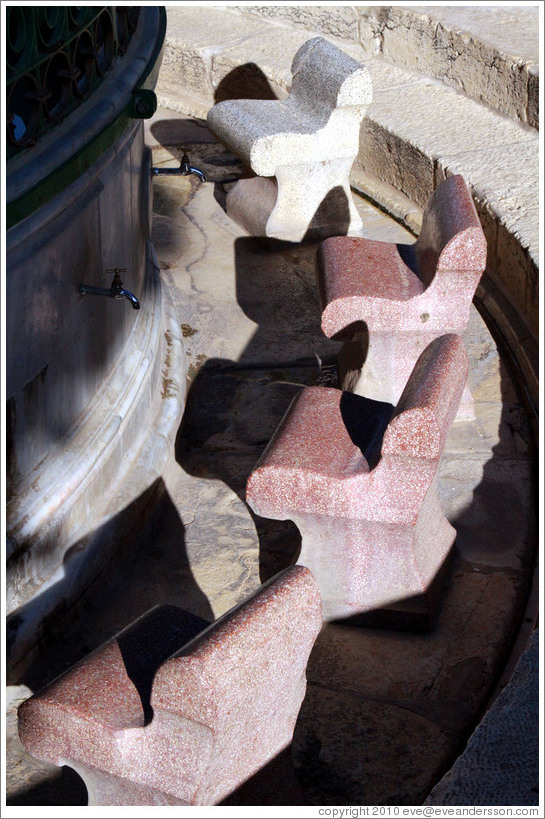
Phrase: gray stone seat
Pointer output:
(302, 148)
(363, 491)
(167, 713)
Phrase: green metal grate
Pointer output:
(56, 56)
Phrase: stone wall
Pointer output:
(85, 374)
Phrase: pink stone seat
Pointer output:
(373, 531)
(395, 299)
(149, 720)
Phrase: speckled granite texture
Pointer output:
(145, 722)
(308, 142)
(396, 298)
(371, 534)
(500, 765)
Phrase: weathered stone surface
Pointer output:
(507, 175)
(519, 254)
(457, 127)
(335, 21)
(485, 52)
(532, 114)
(510, 190)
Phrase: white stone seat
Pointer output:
(302, 148)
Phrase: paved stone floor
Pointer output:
(386, 712)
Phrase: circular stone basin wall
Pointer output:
(83, 372)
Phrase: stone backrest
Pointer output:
(269, 133)
(325, 78)
(429, 402)
(451, 238)
(188, 727)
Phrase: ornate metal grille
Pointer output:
(56, 56)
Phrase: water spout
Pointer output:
(184, 169)
(115, 291)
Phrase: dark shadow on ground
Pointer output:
(274, 784)
(65, 787)
(147, 566)
(217, 440)
(233, 407)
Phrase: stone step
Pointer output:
(491, 54)
(417, 130)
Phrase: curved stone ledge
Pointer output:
(491, 54)
(133, 417)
